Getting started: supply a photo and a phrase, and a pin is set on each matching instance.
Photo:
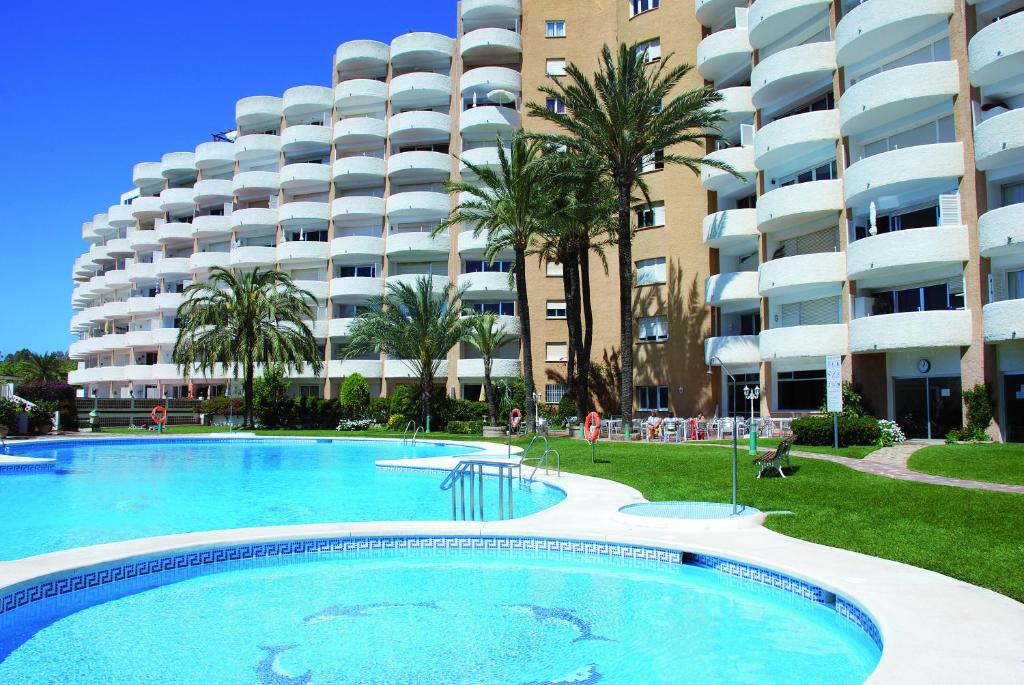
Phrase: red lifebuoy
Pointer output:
(515, 417)
(159, 414)
(592, 427)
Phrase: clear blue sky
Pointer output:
(90, 88)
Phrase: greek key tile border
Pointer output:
(856, 615)
(27, 468)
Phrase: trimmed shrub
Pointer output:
(222, 406)
(380, 410)
(466, 427)
(40, 417)
(272, 407)
(397, 422)
(355, 396)
(403, 401)
(9, 411)
(890, 433)
(314, 413)
(61, 393)
(567, 409)
(354, 425)
(464, 410)
(853, 430)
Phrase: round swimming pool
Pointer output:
(435, 610)
(112, 490)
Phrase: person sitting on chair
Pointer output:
(653, 425)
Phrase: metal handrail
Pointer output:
(547, 465)
(405, 433)
(455, 481)
(414, 434)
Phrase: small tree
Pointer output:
(487, 336)
(978, 401)
(355, 396)
(271, 403)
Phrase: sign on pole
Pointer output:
(834, 383)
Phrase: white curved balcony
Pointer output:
(807, 136)
(173, 266)
(177, 164)
(418, 48)
(409, 167)
(360, 56)
(305, 177)
(212, 190)
(257, 146)
(911, 330)
(417, 206)
(724, 53)
(177, 199)
(142, 305)
(143, 240)
(486, 79)
(898, 256)
(359, 171)
(101, 224)
(257, 111)
(165, 372)
(210, 226)
(488, 122)
(94, 314)
(732, 229)
(491, 45)
(98, 255)
(358, 208)
(168, 302)
(115, 310)
(360, 93)
(253, 181)
(819, 273)
(253, 255)
(497, 12)
(999, 141)
(339, 328)
(486, 284)
(791, 71)
(1003, 321)
(476, 245)
(802, 342)
(420, 89)
(770, 20)
(138, 339)
(398, 368)
(874, 29)
(368, 368)
(119, 247)
(997, 51)
(414, 247)
(897, 93)
(320, 290)
(437, 283)
(214, 154)
(356, 288)
(255, 218)
(473, 369)
(204, 261)
(306, 138)
(738, 105)
(118, 278)
(142, 272)
(118, 216)
(409, 127)
(306, 101)
(741, 159)
(304, 251)
(147, 174)
(481, 158)
(738, 288)
(732, 350)
(360, 132)
(171, 233)
(1001, 231)
(797, 204)
(146, 207)
(356, 249)
(893, 172)
(309, 214)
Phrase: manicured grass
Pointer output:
(990, 463)
(855, 452)
(967, 534)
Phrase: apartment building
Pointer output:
(880, 215)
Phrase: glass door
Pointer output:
(928, 407)
(1014, 403)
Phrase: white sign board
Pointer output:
(834, 383)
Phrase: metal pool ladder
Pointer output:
(543, 460)
(405, 433)
(473, 471)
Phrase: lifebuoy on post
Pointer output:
(159, 415)
(515, 417)
(592, 427)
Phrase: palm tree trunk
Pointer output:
(572, 320)
(247, 387)
(625, 239)
(583, 368)
(492, 410)
(426, 388)
(526, 336)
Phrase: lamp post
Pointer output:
(735, 442)
(752, 394)
(94, 415)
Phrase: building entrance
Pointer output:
(928, 407)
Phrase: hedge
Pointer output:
(853, 430)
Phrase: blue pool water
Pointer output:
(123, 489)
(447, 616)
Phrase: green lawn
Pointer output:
(967, 534)
(995, 463)
(855, 452)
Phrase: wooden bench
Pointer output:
(775, 459)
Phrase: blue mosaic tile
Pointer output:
(763, 576)
(856, 615)
(27, 468)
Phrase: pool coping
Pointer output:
(935, 628)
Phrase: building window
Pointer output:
(555, 105)
(930, 298)
(652, 397)
(557, 352)
(361, 271)
(556, 310)
(653, 329)
(554, 270)
(499, 308)
(640, 6)
(475, 266)
(655, 162)
(556, 66)
(1013, 193)
(650, 215)
(554, 392)
(1015, 285)
(650, 49)
(801, 390)
(822, 172)
(650, 271)
(556, 29)
(309, 391)
(940, 131)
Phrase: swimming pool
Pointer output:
(112, 490)
(434, 610)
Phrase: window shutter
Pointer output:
(949, 210)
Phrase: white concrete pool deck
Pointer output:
(936, 629)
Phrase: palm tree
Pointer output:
(510, 206)
(49, 366)
(488, 336)
(627, 116)
(244, 320)
(415, 324)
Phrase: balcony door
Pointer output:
(928, 407)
